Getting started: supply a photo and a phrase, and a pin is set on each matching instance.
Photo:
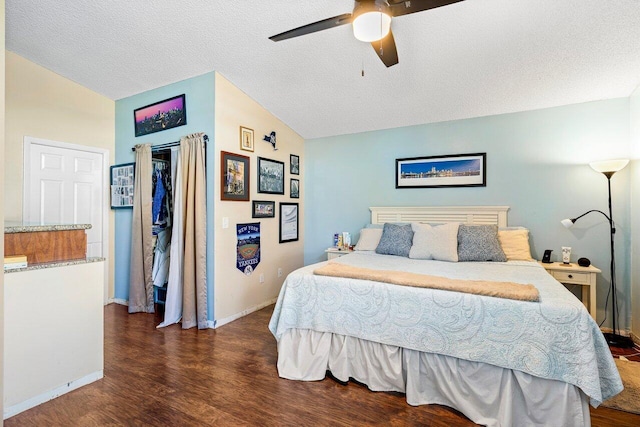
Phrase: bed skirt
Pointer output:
(486, 394)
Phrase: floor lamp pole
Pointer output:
(614, 338)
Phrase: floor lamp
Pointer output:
(608, 168)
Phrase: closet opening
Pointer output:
(168, 232)
(163, 183)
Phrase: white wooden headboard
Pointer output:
(440, 214)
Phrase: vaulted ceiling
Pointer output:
(469, 59)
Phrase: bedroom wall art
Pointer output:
(271, 139)
(294, 164)
(235, 177)
(263, 209)
(159, 116)
(295, 188)
(246, 139)
(461, 170)
(122, 179)
(248, 247)
(270, 176)
(288, 222)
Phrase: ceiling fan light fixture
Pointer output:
(371, 20)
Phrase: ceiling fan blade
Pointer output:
(399, 8)
(325, 24)
(386, 50)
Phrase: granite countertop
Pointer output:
(25, 227)
(44, 265)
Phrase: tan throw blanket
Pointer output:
(509, 290)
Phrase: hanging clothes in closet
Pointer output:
(161, 193)
(161, 211)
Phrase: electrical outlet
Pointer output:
(279, 272)
(261, 277)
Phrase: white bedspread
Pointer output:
(554, 339)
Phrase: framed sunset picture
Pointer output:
(159, 116)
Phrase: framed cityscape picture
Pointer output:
(159, 116)
(235, 177)
(270, 176)
(460, 170)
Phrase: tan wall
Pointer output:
(634, 106)
(55, 342)
(2, 138)
(235, 292)
(43, 104)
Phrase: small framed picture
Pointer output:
(270, 176)
(234, 169)
(288, 222)
(246, 139)
(295, 188)
(294, 161)
(263, 209)
(122, 179)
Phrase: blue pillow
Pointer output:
(479, 243)
(395, 240)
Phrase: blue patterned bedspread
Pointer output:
(555, 338)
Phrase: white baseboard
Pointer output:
(52, 394)
(222, 322)
(213, 324)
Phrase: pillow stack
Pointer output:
(451, 242)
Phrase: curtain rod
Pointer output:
(168, 145)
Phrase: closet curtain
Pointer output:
(187, 286)
(173, 301)
(140, 279)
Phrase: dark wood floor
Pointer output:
(225, 377)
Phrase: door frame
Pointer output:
(26, 183)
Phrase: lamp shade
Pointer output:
(568, 223)
(371, 20)
(609, 166)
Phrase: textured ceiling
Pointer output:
(470, 59)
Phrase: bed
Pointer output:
(499, 361)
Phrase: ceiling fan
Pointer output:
(371, 21)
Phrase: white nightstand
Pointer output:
(573, 274)
(336, 253)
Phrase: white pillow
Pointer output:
(435, 242)
(515, 244)
(369, 239)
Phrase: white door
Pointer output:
(65, 186)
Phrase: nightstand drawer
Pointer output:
(571, 277)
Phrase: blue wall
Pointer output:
(537, 163)
(200, 100)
